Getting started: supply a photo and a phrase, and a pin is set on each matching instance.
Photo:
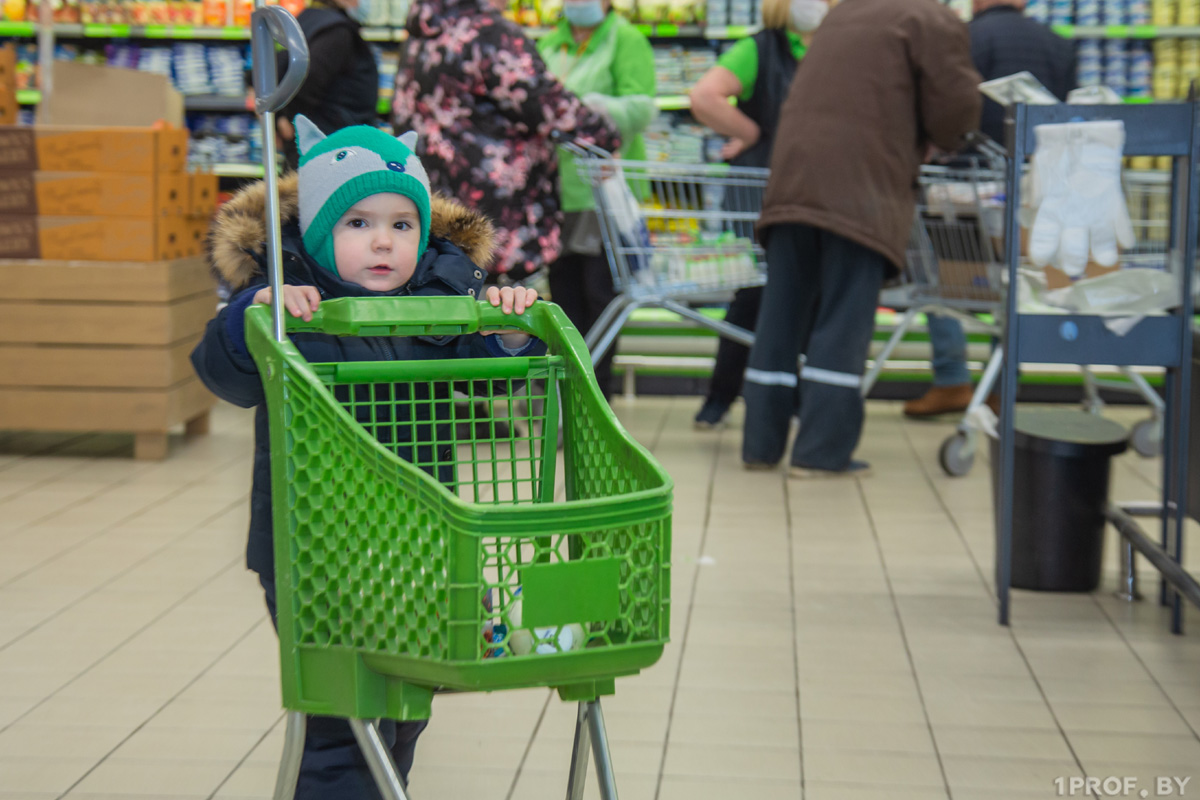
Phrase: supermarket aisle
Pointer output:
(832, 641)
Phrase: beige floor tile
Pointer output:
(877, 736)
(1135, 748)
(70, 741)
(873, 767)
(253, 779)
(727, 760)
(1110, 718)
(846, 706)
(437, 783)
(537, 784)
(814, 790)
(1006, 774)
(1035, 744)
(178, 744)
(42, 774)
(989, 713)
(701, 727)
(696, 787)
(156, 778)
(737, 701)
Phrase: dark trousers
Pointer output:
(333, 765)
(582, 286)
(819, 301)
(730, 367)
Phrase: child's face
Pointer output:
(375, 242)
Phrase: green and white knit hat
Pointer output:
(338, 170)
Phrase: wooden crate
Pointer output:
(104, 346)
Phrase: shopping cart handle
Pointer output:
(271, 25)
(416, 316)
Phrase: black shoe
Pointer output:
(711, 415)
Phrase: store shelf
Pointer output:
(217, 104)
(673, 102)
(238, 170)
(731, 31)
(1127, 31)
(28, 97)
(391, 34)
(17, 29)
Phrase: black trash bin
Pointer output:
(1060, 489)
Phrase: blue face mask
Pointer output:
(584, 15)
(360, 13)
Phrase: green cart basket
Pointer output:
(392, 584)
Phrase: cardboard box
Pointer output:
(99, 281)
(9, 109)
(50, 148)
(203, 187)
(8, 67)
(94, 194)
(89, 94)
(197, 233)
(92, 238)
(100, 346)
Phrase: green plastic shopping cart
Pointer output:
(419, 542)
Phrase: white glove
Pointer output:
(1077, 178)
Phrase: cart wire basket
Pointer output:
(675, 235)
(419, 544)
(955, 267)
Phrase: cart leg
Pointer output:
(605, 320)
(293, 749)
(579, 755)
(604, 342)
(1128, 588)
(882, 356)
(379, 760)
(150, 446)
(604, 769)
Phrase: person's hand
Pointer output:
(300, 301)
(735, 147)
(511, 299)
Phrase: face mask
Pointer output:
(584, 15)
(806, 15)
(360, 13)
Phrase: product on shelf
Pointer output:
(677, 69)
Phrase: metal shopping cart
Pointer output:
(414, 553)
(675, 234)
(955, 267)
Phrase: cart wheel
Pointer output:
(1146, 438)
(957, 455)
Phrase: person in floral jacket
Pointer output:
(475, 89)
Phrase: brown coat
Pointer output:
(882, 80)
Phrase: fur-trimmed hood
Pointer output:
(237, 243)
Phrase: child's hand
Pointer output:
(508, 300)
(300, 301)
(511, 298)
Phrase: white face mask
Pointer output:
(361, 12)
(806, 15)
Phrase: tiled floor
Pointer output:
(831, 641)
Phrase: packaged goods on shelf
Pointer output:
(677, 69)
(95, 194)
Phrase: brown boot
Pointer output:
(940, 400)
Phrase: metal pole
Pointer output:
(604, 769)
(379, 760)
(579, 755)
(1182, 583)
(45, 38)
(1015, 127)
(293, 750)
